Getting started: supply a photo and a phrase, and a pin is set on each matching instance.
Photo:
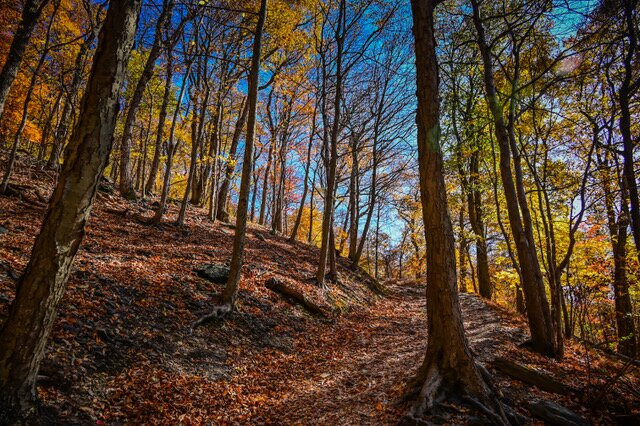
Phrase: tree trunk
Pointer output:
(126, 180)
(305, 188)
(24, 334)
(327, 216)
(625, 326)
(162, 117)
(230, 292)
(462, 252)
(256, 176)
(628, 144)
(213, 155)
(53, 163)
(27, 100)
(353, 201)
(197, 126)
(624, 311)
(474, 201)
(171, 148)
(448, 368)
(313, 190)
(30, 15)
(540, 322)
(265, 182)
(222, 213)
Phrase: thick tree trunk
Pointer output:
(24, 334)
(30, 15)
(448, 368)
(230, 292)
(222, 213)
(541, 324)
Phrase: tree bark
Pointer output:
(230, 292)
(53, 162)
(30, 15)
(541, 324)
(24, 334)
(625, 326)
(327, 216)
(222, 213)
(171, 148)
(448, 368)
(624, 95)
(27, 100)
(126, 179)
(162, 117)
(305, 188)
(265, 182)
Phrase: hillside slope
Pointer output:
(123, 349)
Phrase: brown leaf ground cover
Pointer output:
(123, 350)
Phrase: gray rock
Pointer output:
(214, 272)
(556, 414)
(3, 230)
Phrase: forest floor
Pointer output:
(123, 350)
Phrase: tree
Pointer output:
(30, 15)
(126, 180)
(448, 368)
(24, 333)
(223, 208)
(541, 325)
(62, 128)
(25, 109)
(230, 292)
(625, 94)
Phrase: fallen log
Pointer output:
(117, 212)
(531, 376)
(555, 414)
(608, 352)
(294, 295)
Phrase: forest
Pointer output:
(325, 212)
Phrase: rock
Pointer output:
(556, 414)
(214, 272)
(3, 230)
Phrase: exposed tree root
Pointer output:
(219, 312)
(435, 390)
